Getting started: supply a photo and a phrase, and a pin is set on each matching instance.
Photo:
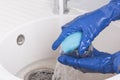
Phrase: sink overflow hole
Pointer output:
(20, 39)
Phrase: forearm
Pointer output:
(115, 5)
(108, 13)
(100, 18)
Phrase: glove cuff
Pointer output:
(115, 4)
(115, 0)
(116, 63)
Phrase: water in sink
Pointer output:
(63, 72)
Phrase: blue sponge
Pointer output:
(71, 42)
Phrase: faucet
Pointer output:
(60, 7)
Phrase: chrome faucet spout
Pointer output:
(60, 6)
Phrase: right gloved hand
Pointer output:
(90, 24)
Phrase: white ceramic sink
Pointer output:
(39, 36)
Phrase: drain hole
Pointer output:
(40, 74)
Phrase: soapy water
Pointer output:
(63, 72)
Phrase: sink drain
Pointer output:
(40, 74)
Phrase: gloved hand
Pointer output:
(97, 62)
(116, 1)
(90, 24)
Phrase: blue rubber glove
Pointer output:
(90, 24)
(97, 62)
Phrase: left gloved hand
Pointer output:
(97, 62)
